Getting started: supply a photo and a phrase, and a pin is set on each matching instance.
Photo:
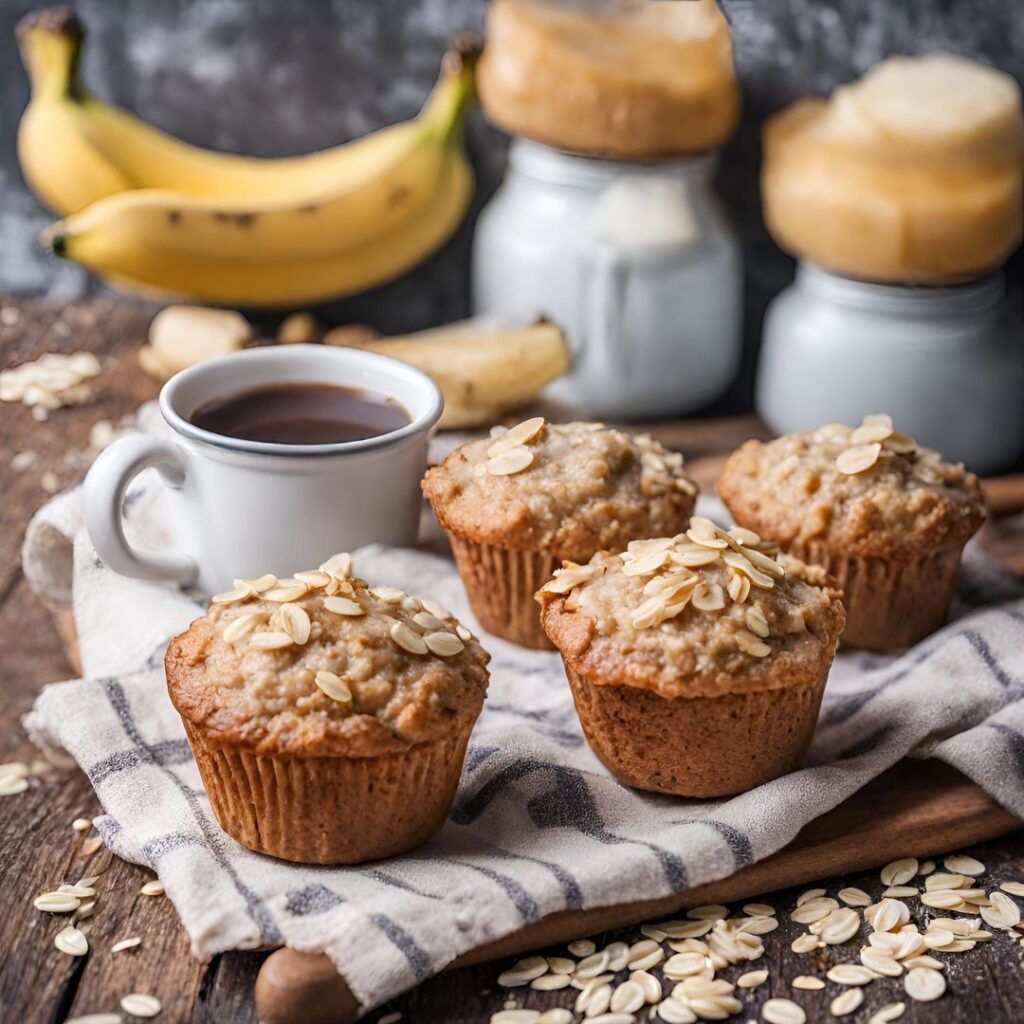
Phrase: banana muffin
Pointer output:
(329, 719)
(697, 662)
(886, 517)
(519, 503)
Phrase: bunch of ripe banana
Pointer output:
(150, 213)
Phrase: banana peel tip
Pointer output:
(55, 240)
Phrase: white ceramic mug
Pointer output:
(244, 508)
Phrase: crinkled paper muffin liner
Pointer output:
(889, 605)
(330, 810)
(697, 746)
(500, 584)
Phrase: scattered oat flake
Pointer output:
(846, 1002)
(759, 910)
(139, 1004)
(1002, 913)
(809, 894)
(581, 947)
(556, 1015)
(854, 897)
(840, 926)
(807, 982)
(887, 1013)
(523, 972)
(1013, 888)
(96, 1018)
(71, 941)
(961, 864)
(805, 943)
(81, 824)
(12, 785)
(131, 943)
(813, 910)
(850, 974)
(900, 892)
(672, 1011)
(923, 984)
(91, 845)
(783, 1011)
(899, 872)
(751, 979)
(154, 887)
(550, 982)
(56, 902)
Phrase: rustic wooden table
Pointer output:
(39, 849)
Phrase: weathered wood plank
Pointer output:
(160, 966)
(113, 330)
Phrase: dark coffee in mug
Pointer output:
(302, 414)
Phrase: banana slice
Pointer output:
(180, 336)
(941, 100)
(482, 374)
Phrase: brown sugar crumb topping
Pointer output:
(571, 488)
(427, 632)
(868, 491)
(342, 667)
(706, 567)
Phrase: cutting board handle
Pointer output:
(303, 988)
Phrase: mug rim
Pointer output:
(386, 364)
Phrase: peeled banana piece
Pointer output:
(482, 374)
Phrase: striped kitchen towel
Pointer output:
(538, 825)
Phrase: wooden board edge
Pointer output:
(564, 926)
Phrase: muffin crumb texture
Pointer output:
(573, 488)
(869, 491)
(324, 664)
(700, 614)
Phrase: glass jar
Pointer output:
(635, 262)
(947, 362)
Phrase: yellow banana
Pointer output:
(396, 202)
(107, 238)
(75, 149)
(399, 179)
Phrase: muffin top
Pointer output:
(324, 664)
(573, 488)
(866, 492)
(701, 614)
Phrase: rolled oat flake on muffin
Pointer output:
(685, 681)
(330, 727)
(517, 504)
(887, 517)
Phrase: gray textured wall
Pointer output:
(277, 77)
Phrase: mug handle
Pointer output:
(104, 491)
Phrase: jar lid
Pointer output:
(630, 79)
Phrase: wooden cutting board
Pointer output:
(915, 809)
